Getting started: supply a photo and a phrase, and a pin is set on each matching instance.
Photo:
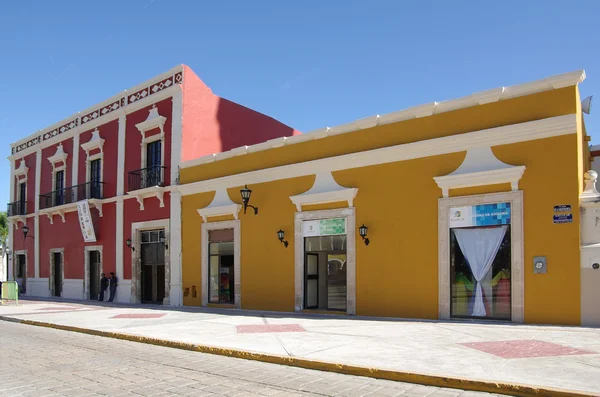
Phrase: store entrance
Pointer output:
(325, 271)
(153, 266)
(221, 286)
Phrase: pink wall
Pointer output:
(212, 124)
(22, 243)
(110, 133)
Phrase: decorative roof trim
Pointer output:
(221, 205)
(324, 190)
(479, 98)
(479, 168)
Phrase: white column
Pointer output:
(75, 164)
(36, 227)
(176, 293)
(119, 204)
(11, 227)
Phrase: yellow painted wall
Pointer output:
(397, 273)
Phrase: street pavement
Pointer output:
(42, 362)
(566, 358)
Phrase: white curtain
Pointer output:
(480, 246)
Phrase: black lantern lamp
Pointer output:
(128, 242)
(363, 233)
(280, 236)
(245, 192)
(25, 231)
(163, 241)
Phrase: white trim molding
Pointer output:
(58, 157)
(324, 190)
(154, 120)
(52, 266)
(221, 205)
(22, 170)
(350, 215)
(425, 110)
(517, 271)
(479, 168)
(95, 142)
(237, 276)
(522, 132)
(86, 260)
(152, 191)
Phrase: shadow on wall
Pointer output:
(240, 126)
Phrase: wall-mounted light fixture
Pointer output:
(128, 242)
(280, 236)
(163, 241)
(363, 233)
(245, 192)
(25, 231)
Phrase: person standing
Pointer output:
(103, 287)
(113, 286)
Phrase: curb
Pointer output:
(398, 376)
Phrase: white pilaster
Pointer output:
(11, 199)
(176, 293)
(75, 165)
(119, 239)
(121, 157)
(36, 220)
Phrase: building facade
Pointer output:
(473, 208)
(96, 193)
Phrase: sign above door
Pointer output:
(324, 227)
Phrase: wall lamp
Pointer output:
(245, 192)
(128, 242)
(363, 233)
(163, 241)
(280, 236)
(25, 231)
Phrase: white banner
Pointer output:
(85, 221)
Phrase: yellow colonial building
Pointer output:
(462, 209)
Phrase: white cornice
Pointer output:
(539, 129)
(58, 157)
(21, 171)
(154, 120)
(325, 190)
(221, 205)
(428, 109)
(479, 168)
(95, 142)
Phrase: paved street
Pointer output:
(45, 362)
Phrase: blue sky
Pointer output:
(308, 63)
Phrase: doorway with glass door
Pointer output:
(153, 266)
(325, 265)
(221, 278)
(95, 271)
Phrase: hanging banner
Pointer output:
(324, 227)
(85, 221)
(479, 215)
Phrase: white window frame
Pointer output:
(95, 142)
(517, 299)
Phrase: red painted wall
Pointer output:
(46, 177)
(212, 124)
(110, 133)
(22, 243)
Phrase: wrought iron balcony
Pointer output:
(146, 177)
(17, 208)
(69, 195)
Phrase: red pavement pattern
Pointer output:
(525, 349)
(266, 328)
(139, 315)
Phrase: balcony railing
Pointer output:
(17, 208)
(90, 190)
(146, 177)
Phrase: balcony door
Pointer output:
(95, 179)
(153, 164)
(59, 188)
(22, 198)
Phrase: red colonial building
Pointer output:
(94, 193)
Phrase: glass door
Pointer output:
(59, 188)
(221, 277)
(95, 179)
(311, 293)
(153, 164)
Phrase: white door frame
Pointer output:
(51, 253)
(86, 282)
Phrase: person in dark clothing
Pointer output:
(113, 286)
(103, 286)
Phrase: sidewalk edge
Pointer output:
(398, 376)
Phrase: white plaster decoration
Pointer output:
(86, 260)
(11, 196)
(480, 98)
(98, 205)
(11, 245)
(21, 172)
(51, 253)
(523, 132)
(590, 193)
(50, 218)
(589, 203)
(121, 155)
(205, 228)
(324, 190)
(58, 157)
(176, 298)
(75, 165)
(36, 246)
(95, 142)
(350, 215)
(154, 120)
(480, 167)
(119, 239)
(136, 260)
(220, 205)
(38, 178)
(517, 249)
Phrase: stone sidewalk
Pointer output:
(566, 358)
